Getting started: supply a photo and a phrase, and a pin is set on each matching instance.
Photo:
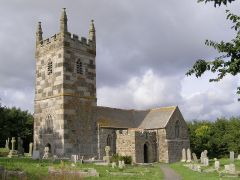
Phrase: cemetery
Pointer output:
(18, 164)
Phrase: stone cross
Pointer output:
(13, 141)
(231, 156)
(30, 148)
(189, 157)
(183, 155)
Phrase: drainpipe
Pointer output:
(98, 136)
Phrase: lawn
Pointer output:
(38, 169)
(188, 174)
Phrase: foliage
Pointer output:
(15, 123)
(4, 152)
(126, 159)
(229, 60)
(218, 137)
(217, 2)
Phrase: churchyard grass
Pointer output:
(38, 169)
(188, 174)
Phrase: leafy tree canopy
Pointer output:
(217, 2)
(229, 60)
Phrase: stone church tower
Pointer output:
(65, 91)
(68, 120)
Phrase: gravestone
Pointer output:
(183, 155)
(46, 153)
(20, 147)
(206, 161)
(232, 168)
(107, 157)
(13, 152)
(114, 165)
(195, 159)
(189, 158)
(36, 155)
(202, 157)
(7, 144)
(74, 158)
(217, 165)
(239, 157)
(231, 156)
(30, 149)
(120, 164)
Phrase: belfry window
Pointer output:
(79, 67)
(177, 129)
(49, 68)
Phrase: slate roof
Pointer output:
(120, 118)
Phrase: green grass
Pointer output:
(38, 169)
(188, 174)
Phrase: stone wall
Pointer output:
(125, 143)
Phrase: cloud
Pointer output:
(143, 49)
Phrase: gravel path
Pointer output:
(169, 174)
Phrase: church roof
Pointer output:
(120, 118)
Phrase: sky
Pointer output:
(144, 49)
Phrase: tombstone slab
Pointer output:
(183, 155)
(231, 156)
(189, 157)
(36, 155)
(195, 159)
(217, 165)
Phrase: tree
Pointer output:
(229, 60)
(217, 2)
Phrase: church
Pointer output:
(68, 120)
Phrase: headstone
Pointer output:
(120, 165)
(20, 147)
(30, 148)
(114, 164)
(226, 167)
(35, 155)
(217, 165)
(189, 158)
(232, 168)
(74, 158)
(107, 157)
(206, 161)
(195, 159)
(231, 156)
(202, 157)
(7, 144)
(183, 155)
(239, 157)
(13, 141)
(46, 153)
(13, 152)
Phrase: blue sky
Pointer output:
(144, 49)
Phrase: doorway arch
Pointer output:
(49, 146)
(146, 153)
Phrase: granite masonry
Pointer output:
(68, 121)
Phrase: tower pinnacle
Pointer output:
(63, 21)
(39, 33)
(92, 32)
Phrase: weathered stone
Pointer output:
(231, 156)
(189, 157)
(36, 155)
(217, 165)
(195, 159)
(184, 155)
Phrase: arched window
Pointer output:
(49, 124)
(177, 129)
(109, 140)
(79, 67)
(49, 68)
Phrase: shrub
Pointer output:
(126, 159)
(4, 152)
